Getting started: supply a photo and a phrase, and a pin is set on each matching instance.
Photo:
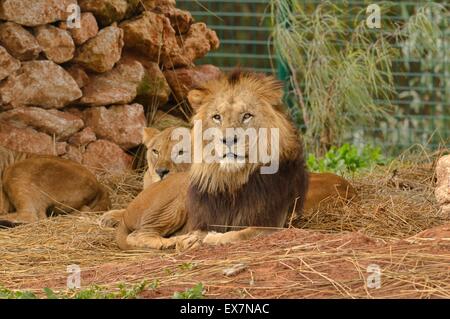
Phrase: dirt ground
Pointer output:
(395, 226)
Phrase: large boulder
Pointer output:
(57, 43)
(29, 140)
(179, 19)
(196, 43)
(109, 11)
(156, 4)
(106, 157)
(8, 64)
(78, 74)
(83, 137)
(88, 28)
(102, 52)
(39, 83)
(19, 42)
(121, 85)
(59, 124)
(121, 124)
(35, 12)
(146, 34)
(155, 91)
(183, 80)
(74, 153)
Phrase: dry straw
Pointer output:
(328, 257)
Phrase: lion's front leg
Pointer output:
(214, 238)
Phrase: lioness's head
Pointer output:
(161, 149)
(237, 106)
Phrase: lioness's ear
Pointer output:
(148, 134)
(196, 97)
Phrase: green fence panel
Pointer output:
(422, 102)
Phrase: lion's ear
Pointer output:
(148, 134)
(196, 98)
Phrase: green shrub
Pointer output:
(191, 293)
(346, 158)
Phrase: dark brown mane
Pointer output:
(264, 201)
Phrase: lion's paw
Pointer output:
(110, 219)
(214, 238)
(188, 241)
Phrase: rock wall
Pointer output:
(78, 79)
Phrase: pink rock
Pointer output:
(102, 52)
(152, 36)
(8, 64)
(109, 11)
(104, 156)
(39, 83)
(83, 138)
(74, 153)
(29, 140)
(121, 124)
(179, 19)
(59, 124)
(154, 90)
(196, 43)
(57, 43)
(144, 34)
(32, 13)
(183, 80)
(19, 42)
(79, 75)
(118, 86)
(88, 28)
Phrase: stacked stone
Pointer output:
(78, 77)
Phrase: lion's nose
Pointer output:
(162, 172)
(230, 141)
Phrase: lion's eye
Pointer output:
(155, 152)
(247, 117)
(217, 118)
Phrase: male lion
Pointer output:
(323, 187)
(30, 185)
(230, 197)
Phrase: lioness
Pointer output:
(160, 146)
(31, 185)
(228, 196)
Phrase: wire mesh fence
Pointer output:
(422, 101)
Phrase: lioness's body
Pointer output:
(33, 184)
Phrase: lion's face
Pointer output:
(236, 107)
(161, 149)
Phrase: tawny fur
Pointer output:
(166, 214)
(159, 150)
(33, 185)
